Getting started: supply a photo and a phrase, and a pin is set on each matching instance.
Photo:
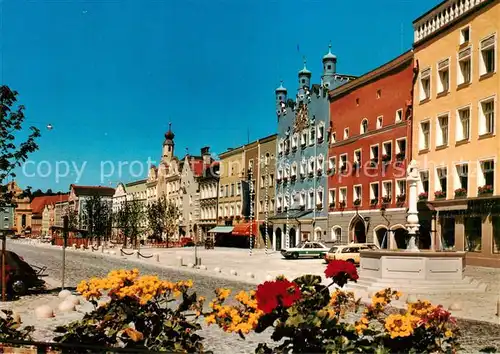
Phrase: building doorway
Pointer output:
(292, 237)
(277, 239)
(358, 230)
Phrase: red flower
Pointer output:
(272, 294)
(341, 272)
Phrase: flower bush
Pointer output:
(142, 312)
(10, 328)
(305, 316)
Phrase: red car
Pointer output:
(20, 276)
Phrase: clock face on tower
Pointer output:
(300, 119)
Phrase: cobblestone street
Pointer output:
(81, 265)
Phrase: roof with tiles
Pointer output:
(93, 190)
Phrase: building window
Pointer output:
(465, 67)
(357, 157)
(320, 163)
(399, 115)
(444, 76)
(364, 126)
(442, 131)
(357, 195)
(303, 166)
(374, 155)
(319, 197)
(310, 204)
(401, 149)
(331, 198)
(302, 199)
(332, 162)
(487, 117)
(461, 180)
(379, 93)
(294, 169)
(473, 234)
(379, 122)
(238, 188)
(400, 189)
(425, 84)
(464, 35)
(336, 234)
(387, 191)
(312, 133)
(343, 195)
(343, 163)
(232, 190)
(463, 124)
(441, 185)
(387, 152)
(303, 139)
(486, 177)
(311, 165)
(281, 146)
(357, 101)
(487, 61)
(346, 133)
(424, 135)
(295, 141)
(374, 195)
(321, 133)
(424, 182)
(333, 138)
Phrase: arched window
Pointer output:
(317, 234)
(320, 162)
(266, 160)
(336, 234)
(294, 169)
(364, 126)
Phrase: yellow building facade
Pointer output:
(232, 171)
(455, 131)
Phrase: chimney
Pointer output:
(205, 153)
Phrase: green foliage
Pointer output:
(12, 152)
(163, 217)
(96, 216)
(10, 328)
(129, 218)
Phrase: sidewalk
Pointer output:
(238, 265)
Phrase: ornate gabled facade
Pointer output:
(22, 212)
(302, 148)
(209, 199)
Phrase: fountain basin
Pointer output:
(422, 265)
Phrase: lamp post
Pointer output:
(286, 200)
(266, 202)
(250, 177)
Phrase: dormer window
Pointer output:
(333, 138)
(346, 133)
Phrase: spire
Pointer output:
(281, 88)
(329, 55)
(169, 135)
(304, 71)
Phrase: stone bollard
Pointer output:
(67, 306)
(44, 311)
(203, 267)
(250, 275)
(180, 261)
(455, 306)
(157, 257)
(217, 270)
(73, 299)
(63, 294)
(190, 265)
(411, 299)
(233, 272)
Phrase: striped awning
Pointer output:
(221, 230)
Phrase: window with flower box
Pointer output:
(461, 180)
(342, 197)
(441, 185)
(400, 149)
(343, 163)
(374, 155)
(486, 178)
(423, 185)
(400, 191)
(357, 195)
(374, 193)
(387, 152)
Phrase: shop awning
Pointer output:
(221, 230)
(243, 229)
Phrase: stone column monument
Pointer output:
(412, 219)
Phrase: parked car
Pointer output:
(307, 249)
(349, 252)
(21, 276)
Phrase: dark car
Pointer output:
(20, 275)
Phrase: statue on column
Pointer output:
(412, 225)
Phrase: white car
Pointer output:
(309, 249)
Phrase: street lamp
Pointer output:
(251, 217)
(266, 201)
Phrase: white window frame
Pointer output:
(443, 65)
(320, 196)
(482, 117)
(397, 149)
(355, 157)
(303, 138)
(421, 139)
(309, 168)
(303, 198)
(459, 131)
(372, 155)
(439, 132)
(320, 161)
(343, 194)
(333, 138)
(281, 146)
(332, 163)
(425, 74)
(398, 189)
(462, 39)
(399, 115)
(460, 76)
(384, 191)
(310, 200)
(482, 66)
(380, 122)
(320, 134)
(420, 180)
(332, 196)
(346, 133)
(294, 169)
(295, 140)
(437, 180)
(384, 150)
(362, 130)
(341, 161)
(356, 195)
(456, 177)
(312, 130)
(303, 167)
(481, 179)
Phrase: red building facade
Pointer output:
(369, 150)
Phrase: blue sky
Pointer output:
(110, 75)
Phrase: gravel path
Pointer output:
(476, 335)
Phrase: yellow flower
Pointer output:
(210, 319)
(448, 333)
(399, 325)
(223, 294)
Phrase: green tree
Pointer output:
(96, 217)
(129, 219)
(12, 152)
(163, 219)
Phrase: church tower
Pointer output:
(329, 68)
(168, 145)
(281, 97)
(304, 82)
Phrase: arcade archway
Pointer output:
(278, 239)
(358, 230)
